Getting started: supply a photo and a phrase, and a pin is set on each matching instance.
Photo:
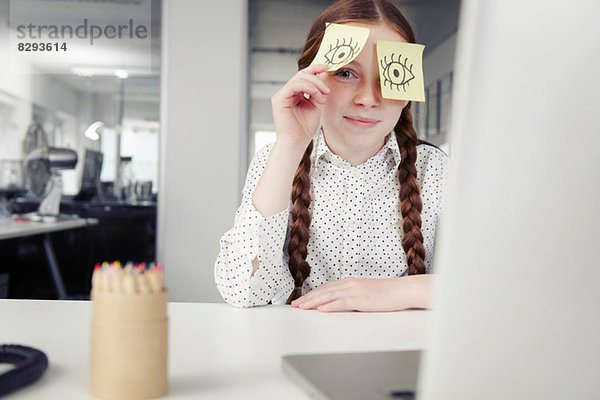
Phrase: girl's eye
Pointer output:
(345, 74)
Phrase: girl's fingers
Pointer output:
(316, 100)
(320, 300)
(317, 81)
(302, 87)
(336, 305)
(320, 295)
(309, 81)
(312, 101)
(333, 291)
(315, 69)
(304, 83)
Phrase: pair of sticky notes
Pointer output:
(400, 64)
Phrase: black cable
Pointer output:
(30, 365)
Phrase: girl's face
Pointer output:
(355, 115)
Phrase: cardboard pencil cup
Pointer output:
(129, 340)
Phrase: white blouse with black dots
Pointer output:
(355, 229)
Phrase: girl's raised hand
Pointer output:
(297, 106)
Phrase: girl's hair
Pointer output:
(369, 11)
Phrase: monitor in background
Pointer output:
(516, 309)
(90, 179)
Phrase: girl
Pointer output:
(359, 230)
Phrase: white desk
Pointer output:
(216, 351)
(16, 229)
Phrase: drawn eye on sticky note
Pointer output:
(401, 70)
(341, 44)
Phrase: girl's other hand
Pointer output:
(297, 106)
(361, 294)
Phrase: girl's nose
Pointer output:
(368, 94)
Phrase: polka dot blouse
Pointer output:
(355, 229)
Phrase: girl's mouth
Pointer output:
(362, 122)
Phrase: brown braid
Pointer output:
(410, 198)
(297, 247)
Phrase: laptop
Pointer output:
(380, 375)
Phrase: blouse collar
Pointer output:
(322, 152)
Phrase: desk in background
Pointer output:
(125, 232)
(14, 229)
(216, 351)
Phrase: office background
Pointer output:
(193, 120)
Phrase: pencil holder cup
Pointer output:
(129, 339)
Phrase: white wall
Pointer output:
(203, 132)
(439, 62)
(43, 90)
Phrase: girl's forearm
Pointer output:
(273, 191)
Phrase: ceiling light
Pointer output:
(94, 130)
(121, 73)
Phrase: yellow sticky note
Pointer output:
(341, 44)
(401, 70)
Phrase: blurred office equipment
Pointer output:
(143, 191)
(122, 229)
(516, 314)
(126, 186)
(42, 165)
(91, 186)
(11, 176)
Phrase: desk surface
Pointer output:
(216, 351)
(14, 229)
